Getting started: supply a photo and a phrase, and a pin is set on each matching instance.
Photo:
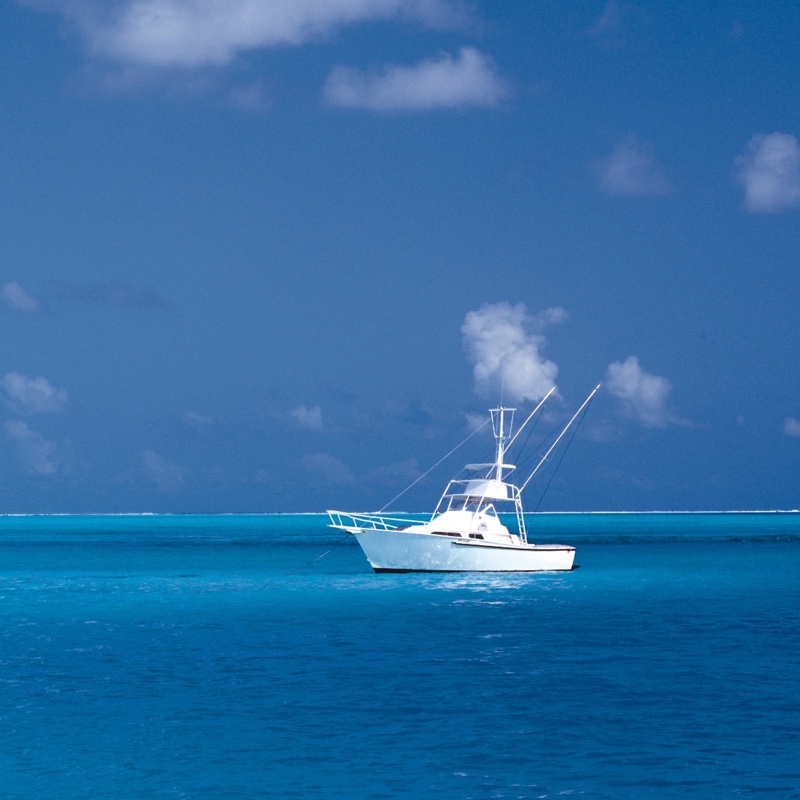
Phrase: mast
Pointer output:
(498, 424)
(504, 442)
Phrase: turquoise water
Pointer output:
(221, 657)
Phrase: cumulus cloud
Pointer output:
(769, 170)
(310, 418)
(33, 395)
(468, 79)
(504, 341)
(32, 449)
(202, 33)
(791, 427)
(632, 169)
(643, 395)
(167, 477)
(19, 299)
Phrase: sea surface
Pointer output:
(259, 657)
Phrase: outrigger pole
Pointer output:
(560, 437)
(530, 416)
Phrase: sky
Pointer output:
(278, 255)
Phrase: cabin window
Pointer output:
(476, 536)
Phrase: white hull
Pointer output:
(405, 551)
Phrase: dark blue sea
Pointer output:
(259, 657)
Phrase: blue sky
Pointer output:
(275, 256)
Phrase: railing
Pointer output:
(379, 522)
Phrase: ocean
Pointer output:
(258, 656)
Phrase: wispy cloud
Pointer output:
(33, 395)
(791, 427)
(166, 476)
(504, 342)
(615, 22)
(253, 97)
(402, 471)
(202, 33)
(610, 19)
(632, 169)
(310, 418)
(769, 170)
(34, 452)
(468, 79)
(328, 468)
(643, 395)
(112, 294)
(195, 420)
(18, 298)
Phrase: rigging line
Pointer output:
(540, 448)
(561, 436)
(530, 417)
(430, 469)
(558, 464)
(319, 557)
(486, 457)
(523, 465)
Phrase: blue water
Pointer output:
(221, 657)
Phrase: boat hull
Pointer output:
(405, 551)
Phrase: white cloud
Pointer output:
(19, 299)
(632, 169)
(402, 471)
(791, 427)
(616, 21)
(201, 33)
(329, 469)
(195, 420)
(310, 418)
(769, 170)
(503, 342)
(643, 395)
(113, 295)
(167, 477)
(469, 79)
(33, 395)
(253, 97)
(33, 450)
(475, 422)
(610, 19)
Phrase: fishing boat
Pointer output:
(465, 532)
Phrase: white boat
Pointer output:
(465, 532)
